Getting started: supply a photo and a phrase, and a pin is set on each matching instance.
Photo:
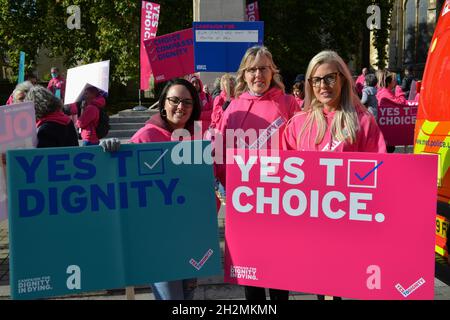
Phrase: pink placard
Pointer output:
(171, 55)
(149, 26)
(354, 225)
(397, 122)
(17, 130)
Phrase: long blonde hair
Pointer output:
(345, 123)
(385, 77)
(248, 59)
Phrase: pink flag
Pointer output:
(252, 12)
(354, 225)
(149, 26)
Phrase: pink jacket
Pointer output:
(299, 102)
(368, 139)
(359, 84)
(88, 120)
(217, 112)
(155, 130)
(267, 115)
(385, 93)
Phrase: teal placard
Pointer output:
(21, 67)
(84, 220)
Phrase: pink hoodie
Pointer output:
(267, 114)
(368, 139)
(359, 84)
(155, 130)
(386, 93)
(88, 120)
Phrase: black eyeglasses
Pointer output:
(175, 101)
(329, 80)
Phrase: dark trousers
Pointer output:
(259, 294)
(321, 297)
(390, 149)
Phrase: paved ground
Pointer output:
(212, 288)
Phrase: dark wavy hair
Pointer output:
(44, 101)
(196, 110)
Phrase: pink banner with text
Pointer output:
(17, 131)
(171, 55)
(149, 26)
(397, 122)
(354, 225)
(252, 11)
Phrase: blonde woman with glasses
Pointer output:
(261, 109)
(333, 119)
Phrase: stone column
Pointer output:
(217, 10)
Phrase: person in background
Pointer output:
(216, 88)
(359, 84)
(260, 105)
(205, 100)
(388, 88)
(333, 119)
(369, 94)
(389, 91)
(54, 128)
(298, 90)
(88, 121)
(222, 101)
(57, 84)
(407, 80)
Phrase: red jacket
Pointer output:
(57, 83)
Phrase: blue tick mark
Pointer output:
(369, 173)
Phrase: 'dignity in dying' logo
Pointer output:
(247, 273)
(411, 289)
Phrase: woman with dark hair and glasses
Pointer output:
(179, 106)
(334, 118)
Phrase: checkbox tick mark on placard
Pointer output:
(156, 161)
(368, 173)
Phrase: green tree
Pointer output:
(296, 30)
(109, 31)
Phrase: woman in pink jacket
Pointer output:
(205, 100)
(333, 119)
(261, 109)
(89, 118)
(179, 107)
(389, 92)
